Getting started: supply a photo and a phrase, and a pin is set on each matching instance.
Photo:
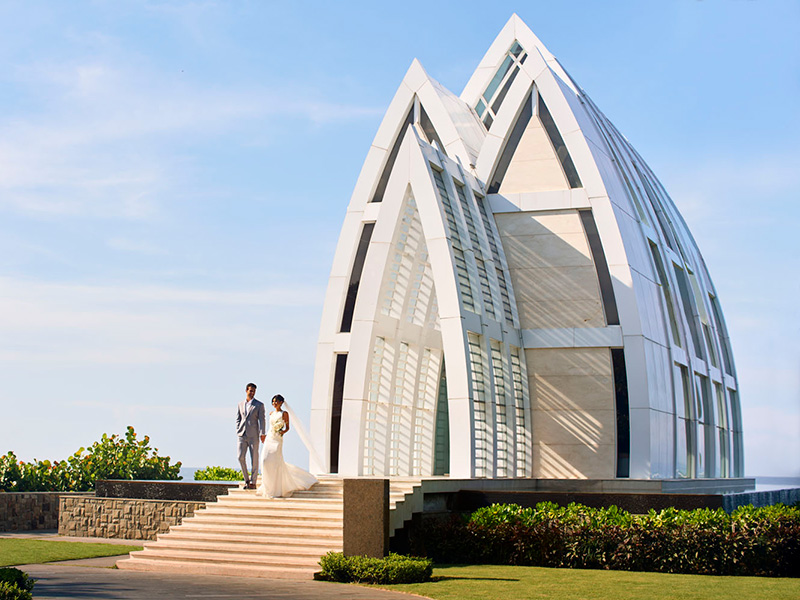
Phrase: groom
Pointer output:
(249, 425)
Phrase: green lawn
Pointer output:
(15, 551)
(491, 582)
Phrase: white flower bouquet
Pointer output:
(277, 427)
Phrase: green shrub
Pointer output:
(218, 474)
(112, 457)
(15, 584)
(9, 591)
(395, 568)
(749, 541)
(16, 577)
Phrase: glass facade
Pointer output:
(480, 405)
(601, 266)
(623, 412)
(336, 410)
(355, 277)
(492, 98)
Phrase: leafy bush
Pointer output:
(749, 541)
(9, 591)
(395, 568)
(218, 474)
(16, 577)
(112, 457)
(15, 584)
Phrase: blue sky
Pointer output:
(173, 177)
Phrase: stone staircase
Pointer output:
(244, 535)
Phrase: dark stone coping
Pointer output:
(788, 496)
(197, 491)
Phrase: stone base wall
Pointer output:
(123, 518)
(24, 511)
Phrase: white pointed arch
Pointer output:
(435, 159)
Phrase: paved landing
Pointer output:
(65, 581)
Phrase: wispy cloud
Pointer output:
(135, 246)
(103, 142)
(732, 191)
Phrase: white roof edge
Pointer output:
(514, 29)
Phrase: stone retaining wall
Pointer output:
(23, 511)
(124, 518)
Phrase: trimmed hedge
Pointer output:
(749, 541)
(395, 568)
(15, 584)
(112, 457)
(218, 474)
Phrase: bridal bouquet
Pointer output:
(277, 427)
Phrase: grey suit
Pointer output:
(250, 424)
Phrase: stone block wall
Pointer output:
(23, 511)
(123, 518)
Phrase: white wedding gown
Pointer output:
(278, 478)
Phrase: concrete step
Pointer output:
(285, 517)
(338, 497)
(200, 519)
(302, 502)
(201, 568)
(252, 558)
(265, 547)
(228, 537)
(302, 511)
(213, 528)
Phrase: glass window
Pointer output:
(689, 423)
(429, 130)
(467, 210)
(623, 412)
(665, 289)
(502, 432)
(355, 277)
(504, 76)
(689, 312)
(723, 429)
(483, 276)
(738, 443)
(519, 381)
(724, 340)
(479, 410)
(505, 66)
(707, 424)
(336, 409)
(441, 452)
(387, 168)
(447, 204)
(601, 266)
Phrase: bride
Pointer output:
(278, 478)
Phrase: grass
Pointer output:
(492, 582)
(24, 552)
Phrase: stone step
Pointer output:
(215, 528)
(288, 513)
(275, 521)
(326, 512)
(264, 547)
(202, 568)
(249, 537)
(230, 558)
(280, 503)
(339, 496)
